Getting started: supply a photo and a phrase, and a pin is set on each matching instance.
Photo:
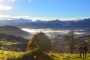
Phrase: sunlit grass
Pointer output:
(7, 43)
(4, 54)
(54, 56)
(67, 56)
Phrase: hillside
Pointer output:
(86, 38)
(13, 30)
(11, 38)
(12, 42)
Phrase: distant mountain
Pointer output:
(54, 24)
(14, 22)
(11, 38)
(81, 24)
(13, 30)
(38, 21)
(43, 24)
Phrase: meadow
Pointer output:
(7, 43)
(52, 55)
(67, 56)
(5, 54)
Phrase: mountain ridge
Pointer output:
(54, 24)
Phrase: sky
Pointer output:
(45, 9)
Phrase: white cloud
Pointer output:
(3, 7)
(11, 0)
(8, 17)
(18, 17)
(5, 17)
(49, 19)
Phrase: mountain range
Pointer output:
(54, 24)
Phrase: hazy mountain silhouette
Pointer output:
(13, 30)
(55, 24)
(81, 24)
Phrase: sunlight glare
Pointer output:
(1, 0)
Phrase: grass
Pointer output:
(53, 56)
(5, 54)
(7, 43)
(13, 45)
(65, 56)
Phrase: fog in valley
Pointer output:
(53, 32)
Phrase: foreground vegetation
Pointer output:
(5, 54)
(67, 56)
(46, 56)
(39, 47)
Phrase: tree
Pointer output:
(71, 40)
(57, 41)
(40, 41)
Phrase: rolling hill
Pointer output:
(13, 30)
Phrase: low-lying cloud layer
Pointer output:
(8, 17)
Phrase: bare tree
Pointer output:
(71, 40)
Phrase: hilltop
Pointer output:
(13, 30)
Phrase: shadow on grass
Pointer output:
(45, 57)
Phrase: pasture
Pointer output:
(5, 54)
(52, 55)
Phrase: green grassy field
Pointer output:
(65, 56)
(13, 45)
(54, 56)
(5, 54)
(7, 43)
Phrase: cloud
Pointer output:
(11, 0)
(8, 17)
(3, 7)
(23, 17)
(4, 17)
(50, 19)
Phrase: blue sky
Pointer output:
(65, 9)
